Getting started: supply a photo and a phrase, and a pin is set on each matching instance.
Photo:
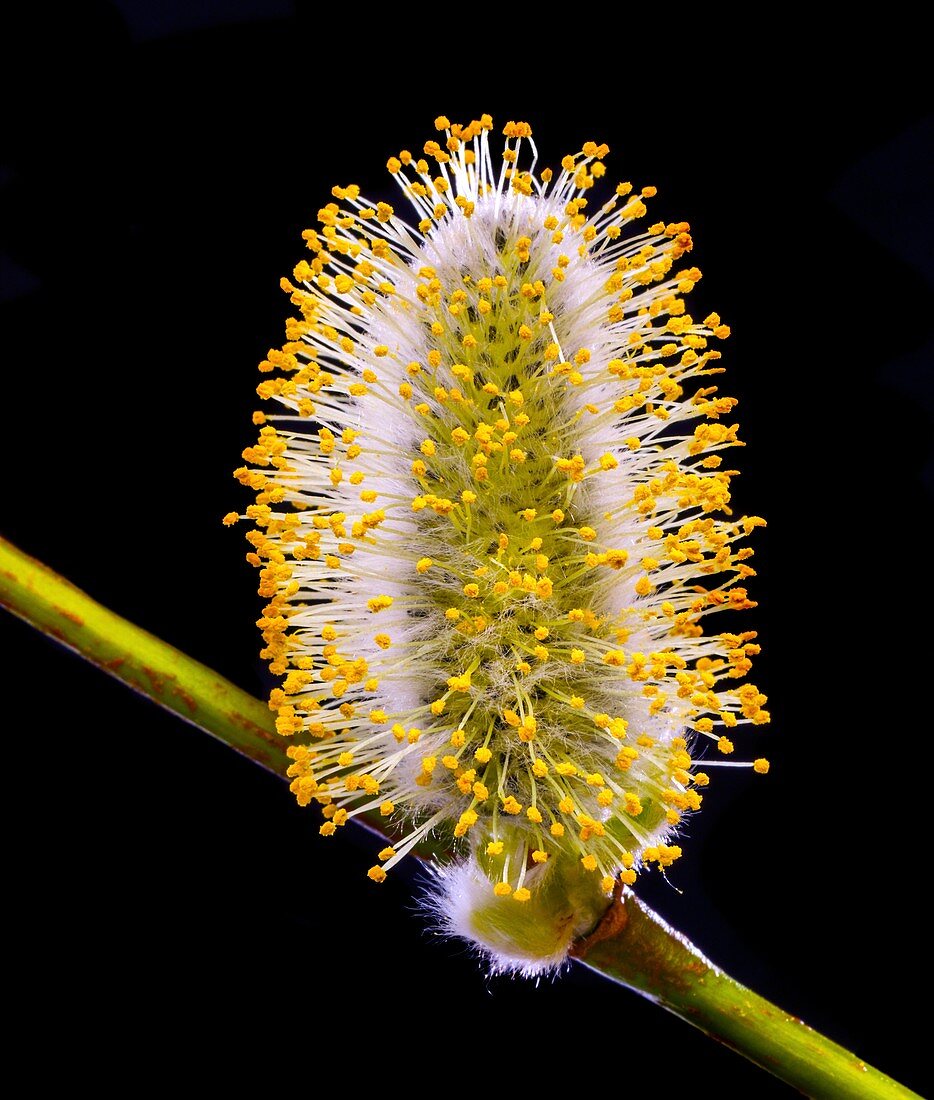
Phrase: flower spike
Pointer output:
(492, 513)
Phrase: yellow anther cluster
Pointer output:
(511, 643)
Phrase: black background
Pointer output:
(160, 163)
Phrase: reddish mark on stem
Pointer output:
(114, 665)
(70, 616)
(156, 681)
(188, 700)
(249, 726)
(612, 923)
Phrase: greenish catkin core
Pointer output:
(491, 513)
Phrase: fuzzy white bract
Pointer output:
(492, 511)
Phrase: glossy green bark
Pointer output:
(145, 663)
(636, 948)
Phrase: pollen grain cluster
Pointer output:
(492, 514)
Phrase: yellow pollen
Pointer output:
(535, 496)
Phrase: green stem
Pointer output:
(632, 945)
(635, 947)
(150, 666)
(60, 610)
